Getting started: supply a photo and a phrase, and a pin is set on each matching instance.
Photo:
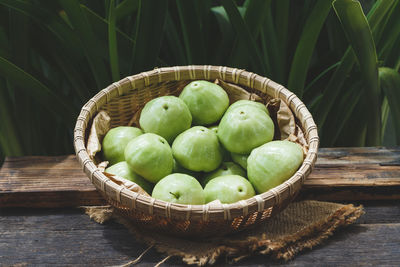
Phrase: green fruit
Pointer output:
(197, 149)
(150, 156)
(240, 159)
(179, 169)
(226, 168)
(226, 156)
(206, 101)
(228, 189)
(241, 103)
(244, 128)
(273, 163)
(115, 141)
(122, 169)
(166, 116)
(179, 188)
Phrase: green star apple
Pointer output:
(244, 128)
(226, 156)
(150, 156)
(273, 163)
(179, 169)
(197, 149)
(226, 168)
(240, 159)
(250, 103)
(115, 141)
(166, 116)
(206, 101)
(122, 169)
(179, 188)
(228, 189)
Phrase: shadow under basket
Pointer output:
(123, 101)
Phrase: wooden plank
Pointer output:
(39, 181)
(340, 174)
(67, 237)
(367, 173)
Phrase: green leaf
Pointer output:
(225, 32)
(334, 86)
(254, 18)
(38, 91)
(355, 129)
(9, 141)
(342, 113)
(242, 30)
(359, 34)
(273, 51)
(19, 43)
(124, 42)
(50, 22)
(390, 38)
(192, 31)
(385, 115)
(92, 50)
(390, 84)
(282, 8)
(320, 76)
(149, 33)
(112, 42)
(126, 8)
(305, 46)
(173, 40)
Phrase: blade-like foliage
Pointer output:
(390, 83)
(358, 32)
(191, 25)
(254, 17)
(335, 85)
(241, 29)
(112, 41)
(55, 55)
(149, 32)
(35, 89)
(305, 47)
(92, 50)
(9, 141)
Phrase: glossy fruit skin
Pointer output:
(150, 156)
(179, 169)
(166, 116)
(241, 103)
(273, 163)
(226, 155)
(122, 169)
(197, 149)
(240, 159)
(115, 141)
(245, 128)
(179, 188)
(206, 101)
(226, 168)
(228, 189)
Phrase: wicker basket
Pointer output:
(124, 98)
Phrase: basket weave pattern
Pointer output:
(123, 99)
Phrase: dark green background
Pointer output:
(55, 55)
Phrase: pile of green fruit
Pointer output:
(195, 148)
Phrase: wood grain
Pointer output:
(340, 174)
(66, 237)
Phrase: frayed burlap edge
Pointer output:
(280, 249)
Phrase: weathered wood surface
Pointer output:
(340, 174)
(66, 237)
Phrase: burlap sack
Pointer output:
(302, 225)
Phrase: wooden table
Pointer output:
(41, 224)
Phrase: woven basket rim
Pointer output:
(205, 212)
